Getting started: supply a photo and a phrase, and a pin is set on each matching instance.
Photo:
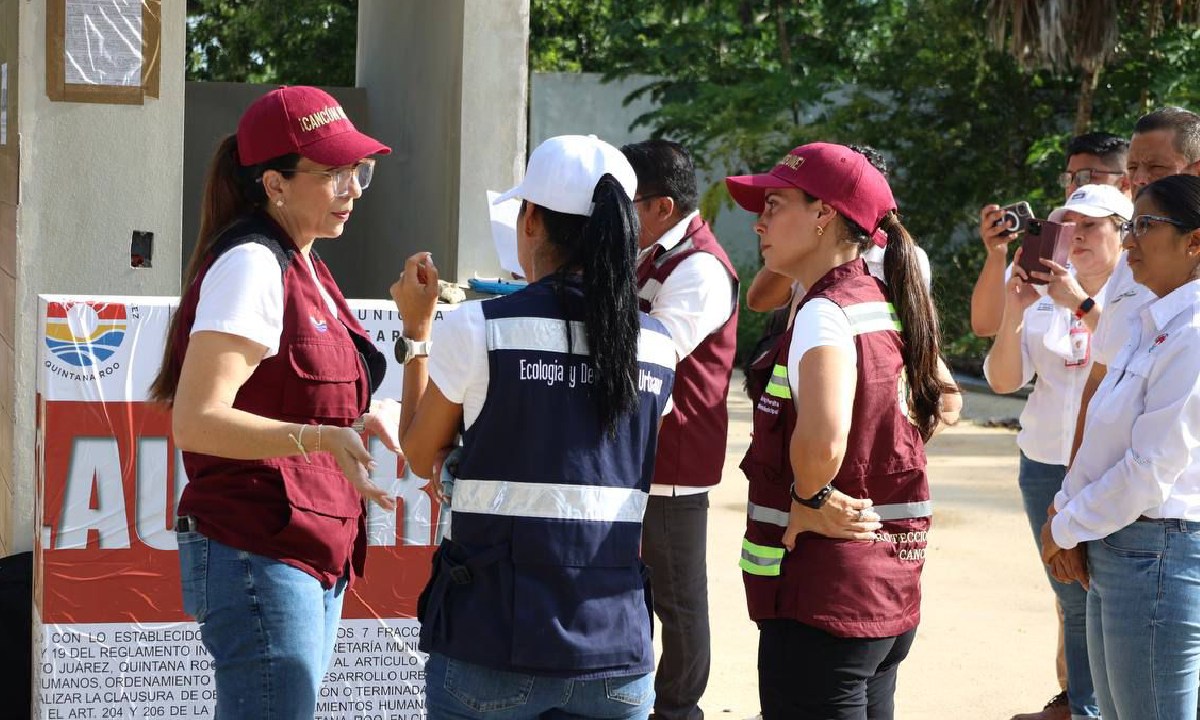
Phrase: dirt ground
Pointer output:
(985, 647)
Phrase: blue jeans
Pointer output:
(1039, 482)
(269, 627)
(1144, 620)
(460, 691)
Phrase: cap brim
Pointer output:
(749, 191)
(343, 148)
(513, 192)
(1094, 211)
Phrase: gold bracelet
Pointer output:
(298, 438)
(319, 437)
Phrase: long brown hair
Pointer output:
(919, 322)
(231, 192)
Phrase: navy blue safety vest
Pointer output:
(543, 573)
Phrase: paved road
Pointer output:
(986, 643)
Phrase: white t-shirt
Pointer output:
(242, 294)
(458, 360)
(820, 323)
(874, 257)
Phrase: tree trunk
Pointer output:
(1089, 79)
(785, 51)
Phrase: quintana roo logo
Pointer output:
(85, 334)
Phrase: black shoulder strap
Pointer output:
(252, 230)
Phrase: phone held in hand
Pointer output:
(1015, 218)
(1044, 240)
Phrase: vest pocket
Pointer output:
(579, 599)
(323, 518)
(466, 608)
(323, 382)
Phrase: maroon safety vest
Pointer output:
(691, 441)
(850, 589)
(304, 514)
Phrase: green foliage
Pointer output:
(960, 122)
(747, 80)
(295, 42)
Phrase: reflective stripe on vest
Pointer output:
(548, 335)
(872, 317)
(778, 385)
(550, 501)
(763, 514)
(761, 559)
(897, 511)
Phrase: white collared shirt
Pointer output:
(1122, 299)
(1141, 444)
(1052, 407)
(693, 302)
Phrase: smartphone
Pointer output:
(1015, 218)
(1044, 240)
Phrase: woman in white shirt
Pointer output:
(1133, 491)
(1049, 335)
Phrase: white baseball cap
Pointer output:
(563, 172)
(1096, 201)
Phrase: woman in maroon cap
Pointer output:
(839, 507)
(267, 371)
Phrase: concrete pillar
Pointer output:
(447, 87)
(88, 176)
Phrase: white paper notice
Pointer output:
(3, 103)
(504, 231)
(103, 42)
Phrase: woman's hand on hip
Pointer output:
(356, 463)
(841, 517)
(415, 294)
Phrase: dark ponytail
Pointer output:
(231, 192)
(604, 247)
(920, 332)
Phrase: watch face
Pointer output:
(402, 350)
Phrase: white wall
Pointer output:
(579, 103)
(495, 93)
(91, 174)
(446, 88)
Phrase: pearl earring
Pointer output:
(279, 202)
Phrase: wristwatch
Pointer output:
(407, 349)
(816, 501)
(1084, 308)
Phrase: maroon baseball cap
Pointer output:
(835, 174)
(303, 120)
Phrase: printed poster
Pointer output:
(111, 640)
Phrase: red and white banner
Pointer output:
(112, 640)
